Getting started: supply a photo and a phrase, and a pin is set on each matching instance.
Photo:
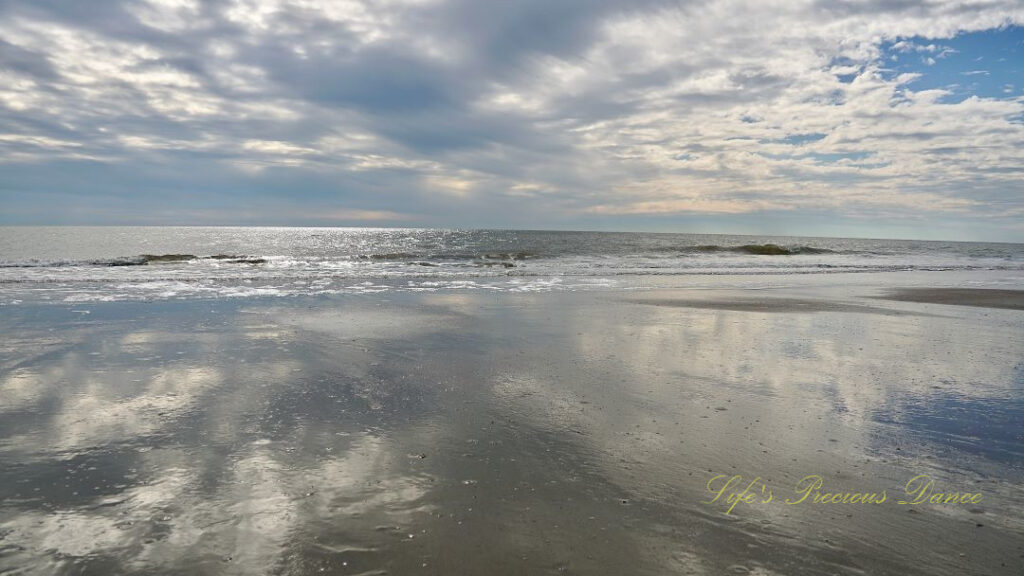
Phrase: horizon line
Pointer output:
(481, 229)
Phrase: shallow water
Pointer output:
(471, 432)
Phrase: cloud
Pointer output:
(524, 113)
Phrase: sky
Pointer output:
(888, 118)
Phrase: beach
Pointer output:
(457, 288)
(487, 432)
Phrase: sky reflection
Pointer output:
(472, 433)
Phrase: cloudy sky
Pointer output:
(887, 118)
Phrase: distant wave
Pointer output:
(237, 259)
(479, 259)
(486, 260)
(140, 260)
(417, 258)
(387, 256)
(759, 249)
(510, 255)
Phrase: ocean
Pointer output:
(87, 264)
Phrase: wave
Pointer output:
(387, 256)
(158, 258)
(140, 260)
(760, 249)
(236, 259)
(522, 255)
(483, 259)
(417, 258)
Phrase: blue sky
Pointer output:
(986, 64)
(867, 118)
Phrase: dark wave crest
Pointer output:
(387, 256)
(761, 249)
(140, 260)
(450, 256)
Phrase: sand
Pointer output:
(484, 433)
(980, 297)
(763, 304)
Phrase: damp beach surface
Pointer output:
(474, 432)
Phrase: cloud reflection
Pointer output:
(545, 432)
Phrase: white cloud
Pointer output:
(659, 110)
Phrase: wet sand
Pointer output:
(484, 433)
(981, 297)
(763, 304)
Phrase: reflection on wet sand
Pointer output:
(503, 434)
